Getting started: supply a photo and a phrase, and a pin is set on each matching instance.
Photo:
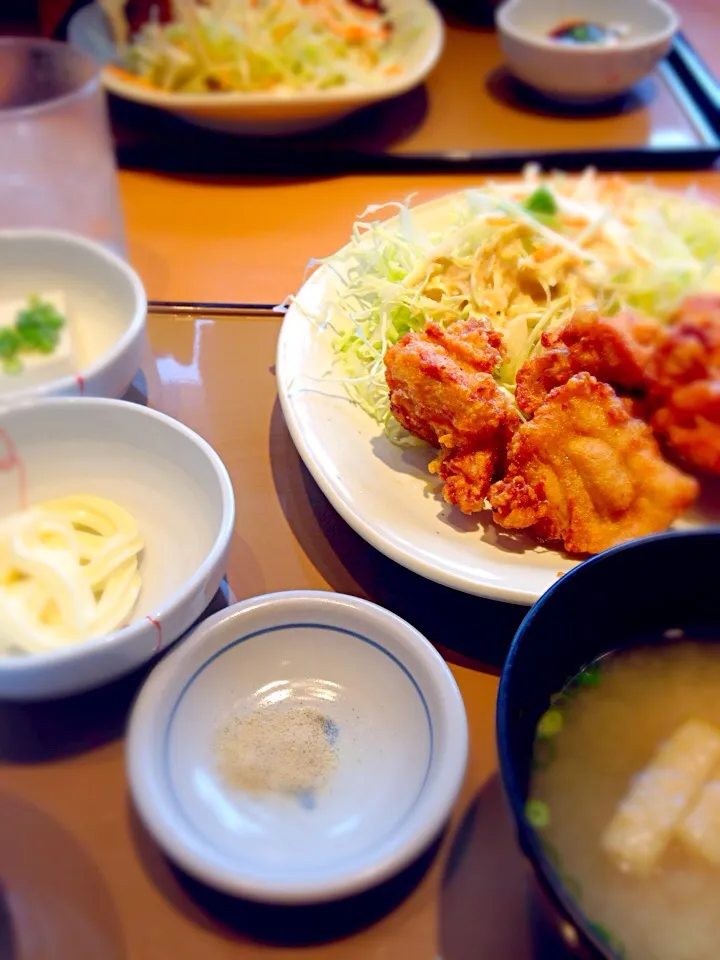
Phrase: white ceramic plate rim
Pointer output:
(417, 835)
(433, 28)
(136, 326)
(191, 586)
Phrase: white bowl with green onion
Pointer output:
(72, 317)
(310, 81)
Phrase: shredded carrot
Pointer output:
(129, 77)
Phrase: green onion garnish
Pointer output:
(551, 723)
(537, 814)
(542, 201)
(36, 330)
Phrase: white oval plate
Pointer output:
(385, 492)
(271, 113)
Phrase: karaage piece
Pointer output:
(685, 372)
(691, 350)
(615, 350)
(689, 423)
(584, 472)
(442, 390)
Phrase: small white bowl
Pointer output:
(401, 747)
(584, 73)
(105, 303)
(167, 477)
(271, 113)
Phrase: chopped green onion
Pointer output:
(9, 343)
(36, 330)
(589, 677)
(537, 814)
(551, 723)
(39, 325)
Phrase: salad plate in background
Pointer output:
(331, 375)
(323, 82)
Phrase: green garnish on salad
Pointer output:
(526, 254)
(36, 330)
(542, 201)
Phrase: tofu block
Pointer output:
(39, 367)
(660, 796)
(699, 829)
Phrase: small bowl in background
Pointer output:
(170, 480)
(105, 305)
(626, 595)
(400, 738)
(584, 73)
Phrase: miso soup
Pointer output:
(625, 796)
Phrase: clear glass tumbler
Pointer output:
(57, 165)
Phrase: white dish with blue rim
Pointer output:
(396, 724)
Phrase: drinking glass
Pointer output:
(57, 165)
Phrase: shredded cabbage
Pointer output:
(262, 45)
(525, 254)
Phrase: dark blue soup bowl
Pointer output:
(630, 594)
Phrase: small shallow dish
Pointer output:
(268, 113)
(623, 596)
(105, 303)
(167, 477)
(401, 746)
(584, 73)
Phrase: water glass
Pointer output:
(57, 165)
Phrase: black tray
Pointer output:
(669, 122)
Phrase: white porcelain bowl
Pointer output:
(167, 477)
(269, 113)
(401, 746)
(105, 303)
(584, 72)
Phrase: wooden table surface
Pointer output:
(218, 240)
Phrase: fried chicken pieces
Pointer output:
(442, 390)
(615, 350)
(581, 469)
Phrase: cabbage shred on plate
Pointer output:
(269, 45)
(526, 254)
